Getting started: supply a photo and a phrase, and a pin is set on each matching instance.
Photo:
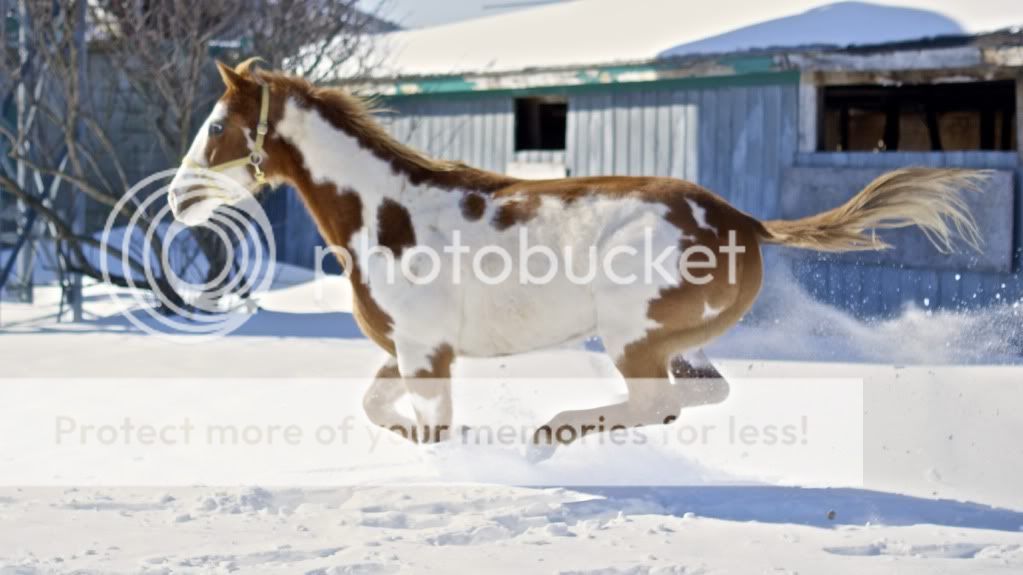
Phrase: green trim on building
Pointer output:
(746, 72)
(702, 82)
(750, 65)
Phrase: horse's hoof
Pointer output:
(538, 452)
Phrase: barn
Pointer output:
(784, 117)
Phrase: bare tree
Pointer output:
(317, 39)
(165, 48)
(58, 137)
(150, 62)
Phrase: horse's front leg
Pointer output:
(426, 372)
(381, 400)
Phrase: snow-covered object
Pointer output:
(841, 24)
(591, 32)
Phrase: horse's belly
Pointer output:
(507, 319)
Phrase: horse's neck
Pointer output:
(339, 175)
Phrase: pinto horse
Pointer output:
(370, 194)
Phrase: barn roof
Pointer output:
(604, 32)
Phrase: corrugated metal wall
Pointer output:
(477, 131)
(734, 140)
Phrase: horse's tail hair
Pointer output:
(931, 199)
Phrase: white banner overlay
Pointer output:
(806, 431)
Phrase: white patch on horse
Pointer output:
(334, 157)
(623, 309)
(710, 312)
(700, 215)
(427, 409)
(197, 151)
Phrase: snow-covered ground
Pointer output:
(941, 460)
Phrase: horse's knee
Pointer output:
(372, 401)
(383, 393)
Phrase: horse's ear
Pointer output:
(249, 67)
(232, 79)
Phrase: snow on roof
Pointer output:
(590, 32)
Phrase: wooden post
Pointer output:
(78, 221)
(809, 112)
(1019, 115)
(26, 256)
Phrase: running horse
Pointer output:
(369, 192)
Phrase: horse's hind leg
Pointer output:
(652, 400)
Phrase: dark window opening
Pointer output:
(924, 118)
(540, 123)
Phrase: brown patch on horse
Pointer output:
(440, 364)
(516, 211)
(394, 227)
(473, 205)
(681, 312)
(374, 322)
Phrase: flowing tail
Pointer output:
(931, 199)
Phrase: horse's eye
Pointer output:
(216, 129)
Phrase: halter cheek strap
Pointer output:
(255, 158)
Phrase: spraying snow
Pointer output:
(788, 323)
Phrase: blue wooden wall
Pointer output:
(877, 290)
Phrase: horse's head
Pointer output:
(231, 143)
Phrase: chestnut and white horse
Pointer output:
(368, 192)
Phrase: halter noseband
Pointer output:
(255, 158)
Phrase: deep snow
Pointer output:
(940, 460)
